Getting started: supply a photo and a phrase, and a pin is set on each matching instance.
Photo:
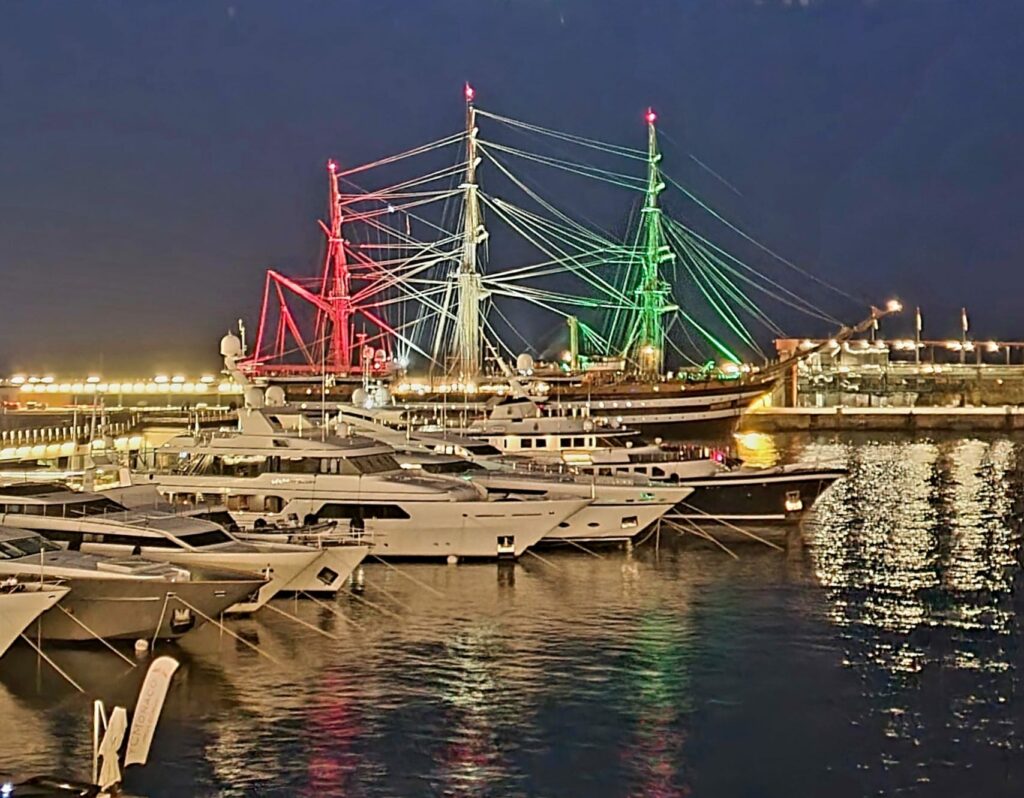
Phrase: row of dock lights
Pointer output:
(95, 385)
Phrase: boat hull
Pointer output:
(774, 496)
(487, 531)
(130, 609)
(328, 572)
(19, 610)
(680, 413)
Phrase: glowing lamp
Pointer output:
(650, 116)
(470, 93)
(894, 306)
(331, 165)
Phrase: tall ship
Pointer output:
(451, 272)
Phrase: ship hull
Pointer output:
(671, 411)
(778, 497)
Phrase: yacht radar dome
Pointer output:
(524, 362)
(361, 398)
(254, 398)
(230, 346)
(274, 397)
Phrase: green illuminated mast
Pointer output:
(647, 338)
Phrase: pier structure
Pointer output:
(897, 384)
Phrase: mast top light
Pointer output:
(894, 306)
(470, 93)
(331, 165)
(650, 116)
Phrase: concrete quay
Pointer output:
(1007, 418)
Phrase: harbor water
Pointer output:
(881, 656)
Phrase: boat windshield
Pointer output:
(207, 537)
(451, 467)
(25, 547)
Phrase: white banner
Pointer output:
(148, 709)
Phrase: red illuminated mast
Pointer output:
(334, 314)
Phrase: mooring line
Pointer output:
(582, 548)
(696, 530)
(223, 628)
(544, 560)
(300, 621)
(53, 664)
(723, 522)
(333, 610)
(412, 578)
(90, 631)
(389, 594)
(371, 604)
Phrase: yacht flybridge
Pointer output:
(97, 524)
(269, 474)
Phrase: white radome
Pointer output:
(274, 397)
(524, 362)
(254, 398)
(230, 346)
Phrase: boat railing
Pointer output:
(67, 433)
(569, 473)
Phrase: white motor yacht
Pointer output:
(127, 598)
(272, 475)
(20, 604)
(620, 507)
(97, 524)
(723, 489)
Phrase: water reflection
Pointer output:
(880, 657)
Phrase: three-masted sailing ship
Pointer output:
(410, 306)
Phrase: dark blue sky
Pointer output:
(156, 157)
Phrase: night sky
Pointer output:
(155, 158)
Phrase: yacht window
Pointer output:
(91, 507)
(235, 502)
(453, 467)
(657, 472)
(483, 448)
(542, 443)
(11, 508)
(565, 443)
(579, 441)
(299, 465)
(349, 511)
(374, 463)
(527, 443)
(273, 504)
(31, 489)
